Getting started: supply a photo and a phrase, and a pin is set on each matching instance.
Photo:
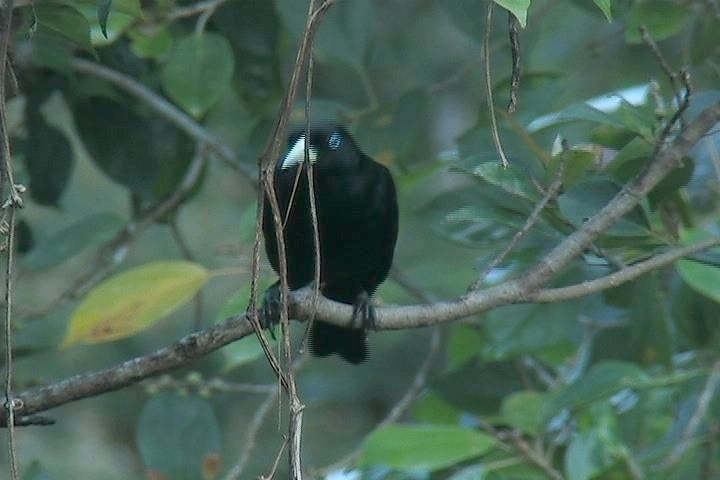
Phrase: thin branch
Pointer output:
(112, 253)
(195, 9)
(529, 222)
(621, 276)
(488, 85)
(664, 65)
(708, 392)
(515, 291)
(13, 202)
(514, 31)
(166, 110)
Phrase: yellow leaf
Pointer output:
(134, 300)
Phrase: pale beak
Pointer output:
(296, 155)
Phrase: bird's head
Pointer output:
(330, 145)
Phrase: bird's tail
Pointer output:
(350, 344)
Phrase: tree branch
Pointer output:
(523, 289)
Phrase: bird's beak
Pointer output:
(296, 155)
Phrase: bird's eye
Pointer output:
(334, 141)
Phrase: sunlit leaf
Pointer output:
(518, 8)
(605, 7)
(134, 300)
(417, 447)
(199, 71)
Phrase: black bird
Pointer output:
(357, 222)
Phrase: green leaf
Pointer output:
(508, 178)
(662, 18)
(702, 278)
(433, 409)
(90, 231)
(63, 21)
(199, 71)
(247, 349)
(134, 300)
(518, 8)
(605, 7)
(586, 199)
(465, 343)
(178, 436)
(157, 153)
(103, 10)
(49, 161)
(600, 381)
(151, 44)
(584, 458)
(521, 411)
(417, 447)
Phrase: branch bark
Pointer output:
(524, 289)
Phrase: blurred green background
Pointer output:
(601, 387)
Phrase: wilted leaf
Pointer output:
(416, 447)
(134, 300)
(199, 71)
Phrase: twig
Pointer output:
(622, 276)
(708, 392)
(529, 222)
(195, 9)
(664, 65)
(488, 85)
(311, 195)
(528, 452)
(253, 429)
(188, 255)
(513, 30)
(514, 291)
(275, 464)
(112, 253)
(166, 110)
(13, 202)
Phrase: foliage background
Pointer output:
(627, 366)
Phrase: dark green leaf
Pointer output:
(103, 10)
(90, 231)
(199, 71)
(146, 155)
(603, 379)
(176, 435)
(662, 18)
(49, 161)
(416, 447)
(60, 20)
(586, 199)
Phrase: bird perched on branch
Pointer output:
(357, 219)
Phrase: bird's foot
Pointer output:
(269, 313)
(363, 313)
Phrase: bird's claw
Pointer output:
(269, 312)
(363, 313)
